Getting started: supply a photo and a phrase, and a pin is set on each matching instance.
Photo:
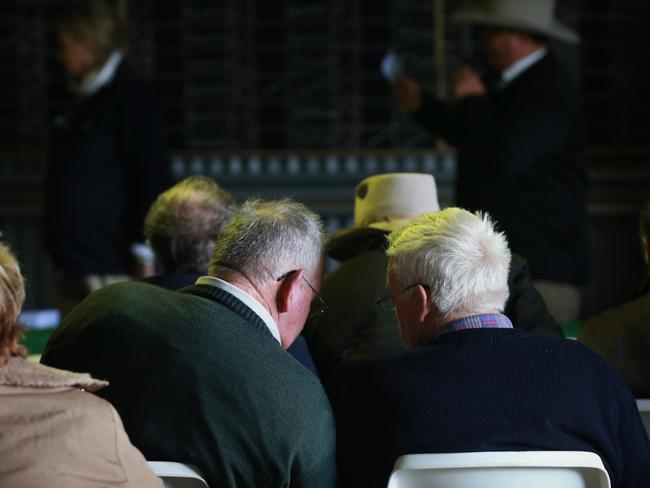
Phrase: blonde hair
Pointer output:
(93, 20)
(12, 297)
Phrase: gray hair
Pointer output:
(182, 224)
(265, 239)
(459, 255)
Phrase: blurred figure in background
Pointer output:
(55, 433)
(108, 160)
(520, 141)
(622, 334)
(181, 228)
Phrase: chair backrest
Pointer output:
(532, 469)
(178, 475)
(644, 410)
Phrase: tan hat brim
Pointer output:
(555, 29)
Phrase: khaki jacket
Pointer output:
(55, 434)
(622, 336)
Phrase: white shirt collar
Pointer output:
(522, 65)
(244, 297)
(93, 81)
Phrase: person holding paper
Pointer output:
(519, 136)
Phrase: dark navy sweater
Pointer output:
(487, 390)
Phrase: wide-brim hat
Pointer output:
(534, 16)
(384, 203)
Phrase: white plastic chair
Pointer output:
(529, 469)
(178, 475)
(644, 410)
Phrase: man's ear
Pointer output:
(288, 286)
(424, 305)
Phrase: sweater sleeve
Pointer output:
(439, 118)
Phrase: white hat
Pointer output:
(535, 16)
(385, 203)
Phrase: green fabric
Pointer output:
(198, 378)
(35, 340)
(571, 329)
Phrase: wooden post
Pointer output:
(439, 60)
(122, 10)
(439, 47)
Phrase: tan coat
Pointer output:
(55, 434)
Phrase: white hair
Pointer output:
(458, 255)
(266, 239)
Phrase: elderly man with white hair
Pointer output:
(469, 381)
(516, 121)
(201, 376)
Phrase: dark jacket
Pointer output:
(487, 390)
(521, 159)
(108, 164)
(198, 378)
(353, 327)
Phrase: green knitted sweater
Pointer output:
(198, 378)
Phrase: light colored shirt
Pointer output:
(246, 299)
(93, 81)
(516, 69)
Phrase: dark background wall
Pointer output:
(285, 98)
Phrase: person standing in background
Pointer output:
(108, 157)
(519, 136)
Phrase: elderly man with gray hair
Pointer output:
(181, 228)
(201, 376)
(469, 381)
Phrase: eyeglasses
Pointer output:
(318, 305)
(387, 301)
